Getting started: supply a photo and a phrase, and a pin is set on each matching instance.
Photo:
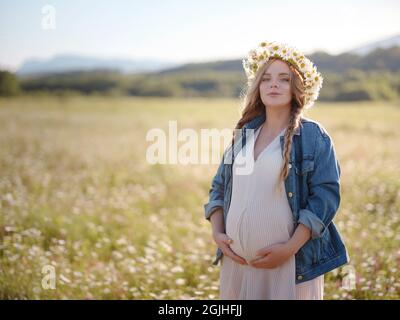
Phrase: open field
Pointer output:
(76, 193)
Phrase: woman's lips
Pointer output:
(274, 94)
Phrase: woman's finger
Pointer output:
(234, 256)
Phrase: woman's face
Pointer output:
(276, 79)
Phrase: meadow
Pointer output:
(77, 194)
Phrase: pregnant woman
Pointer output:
(273, 222)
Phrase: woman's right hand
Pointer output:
(223, 241)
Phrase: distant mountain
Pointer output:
(219, 66)
(66, 63)
(378, 59)
(377, 55)
(383, 44)
(347, 77)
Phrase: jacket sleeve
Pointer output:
(324, 185)
(216, 192)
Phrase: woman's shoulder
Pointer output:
(314, 126)
(315, 133)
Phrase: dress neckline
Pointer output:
(268, 146)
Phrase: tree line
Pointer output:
(347, 77)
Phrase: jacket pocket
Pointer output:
(304, 166)
(325, 249)
(307, 256)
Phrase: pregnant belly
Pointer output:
(251, 231)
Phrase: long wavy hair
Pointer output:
(252, 106)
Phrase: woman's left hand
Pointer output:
(272, 256)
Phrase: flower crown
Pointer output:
(267, 50)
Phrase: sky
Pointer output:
(187, 31)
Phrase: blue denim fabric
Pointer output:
(312, 189)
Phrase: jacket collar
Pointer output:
(259, 120)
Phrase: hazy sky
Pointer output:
(185, 31)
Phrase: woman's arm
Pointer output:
(217, 221)
(216, 192)
(300, 236)
(324, 184)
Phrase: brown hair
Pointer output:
(252, 106)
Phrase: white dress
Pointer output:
(259, 217)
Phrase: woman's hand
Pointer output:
(272, 256)
(223, 242)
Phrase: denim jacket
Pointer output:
(313, 191)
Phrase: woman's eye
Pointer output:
(267, 79)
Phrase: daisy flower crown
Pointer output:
(267, 50)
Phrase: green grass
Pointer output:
(77, 193)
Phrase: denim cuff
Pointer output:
(312, 222)
(211, 206)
